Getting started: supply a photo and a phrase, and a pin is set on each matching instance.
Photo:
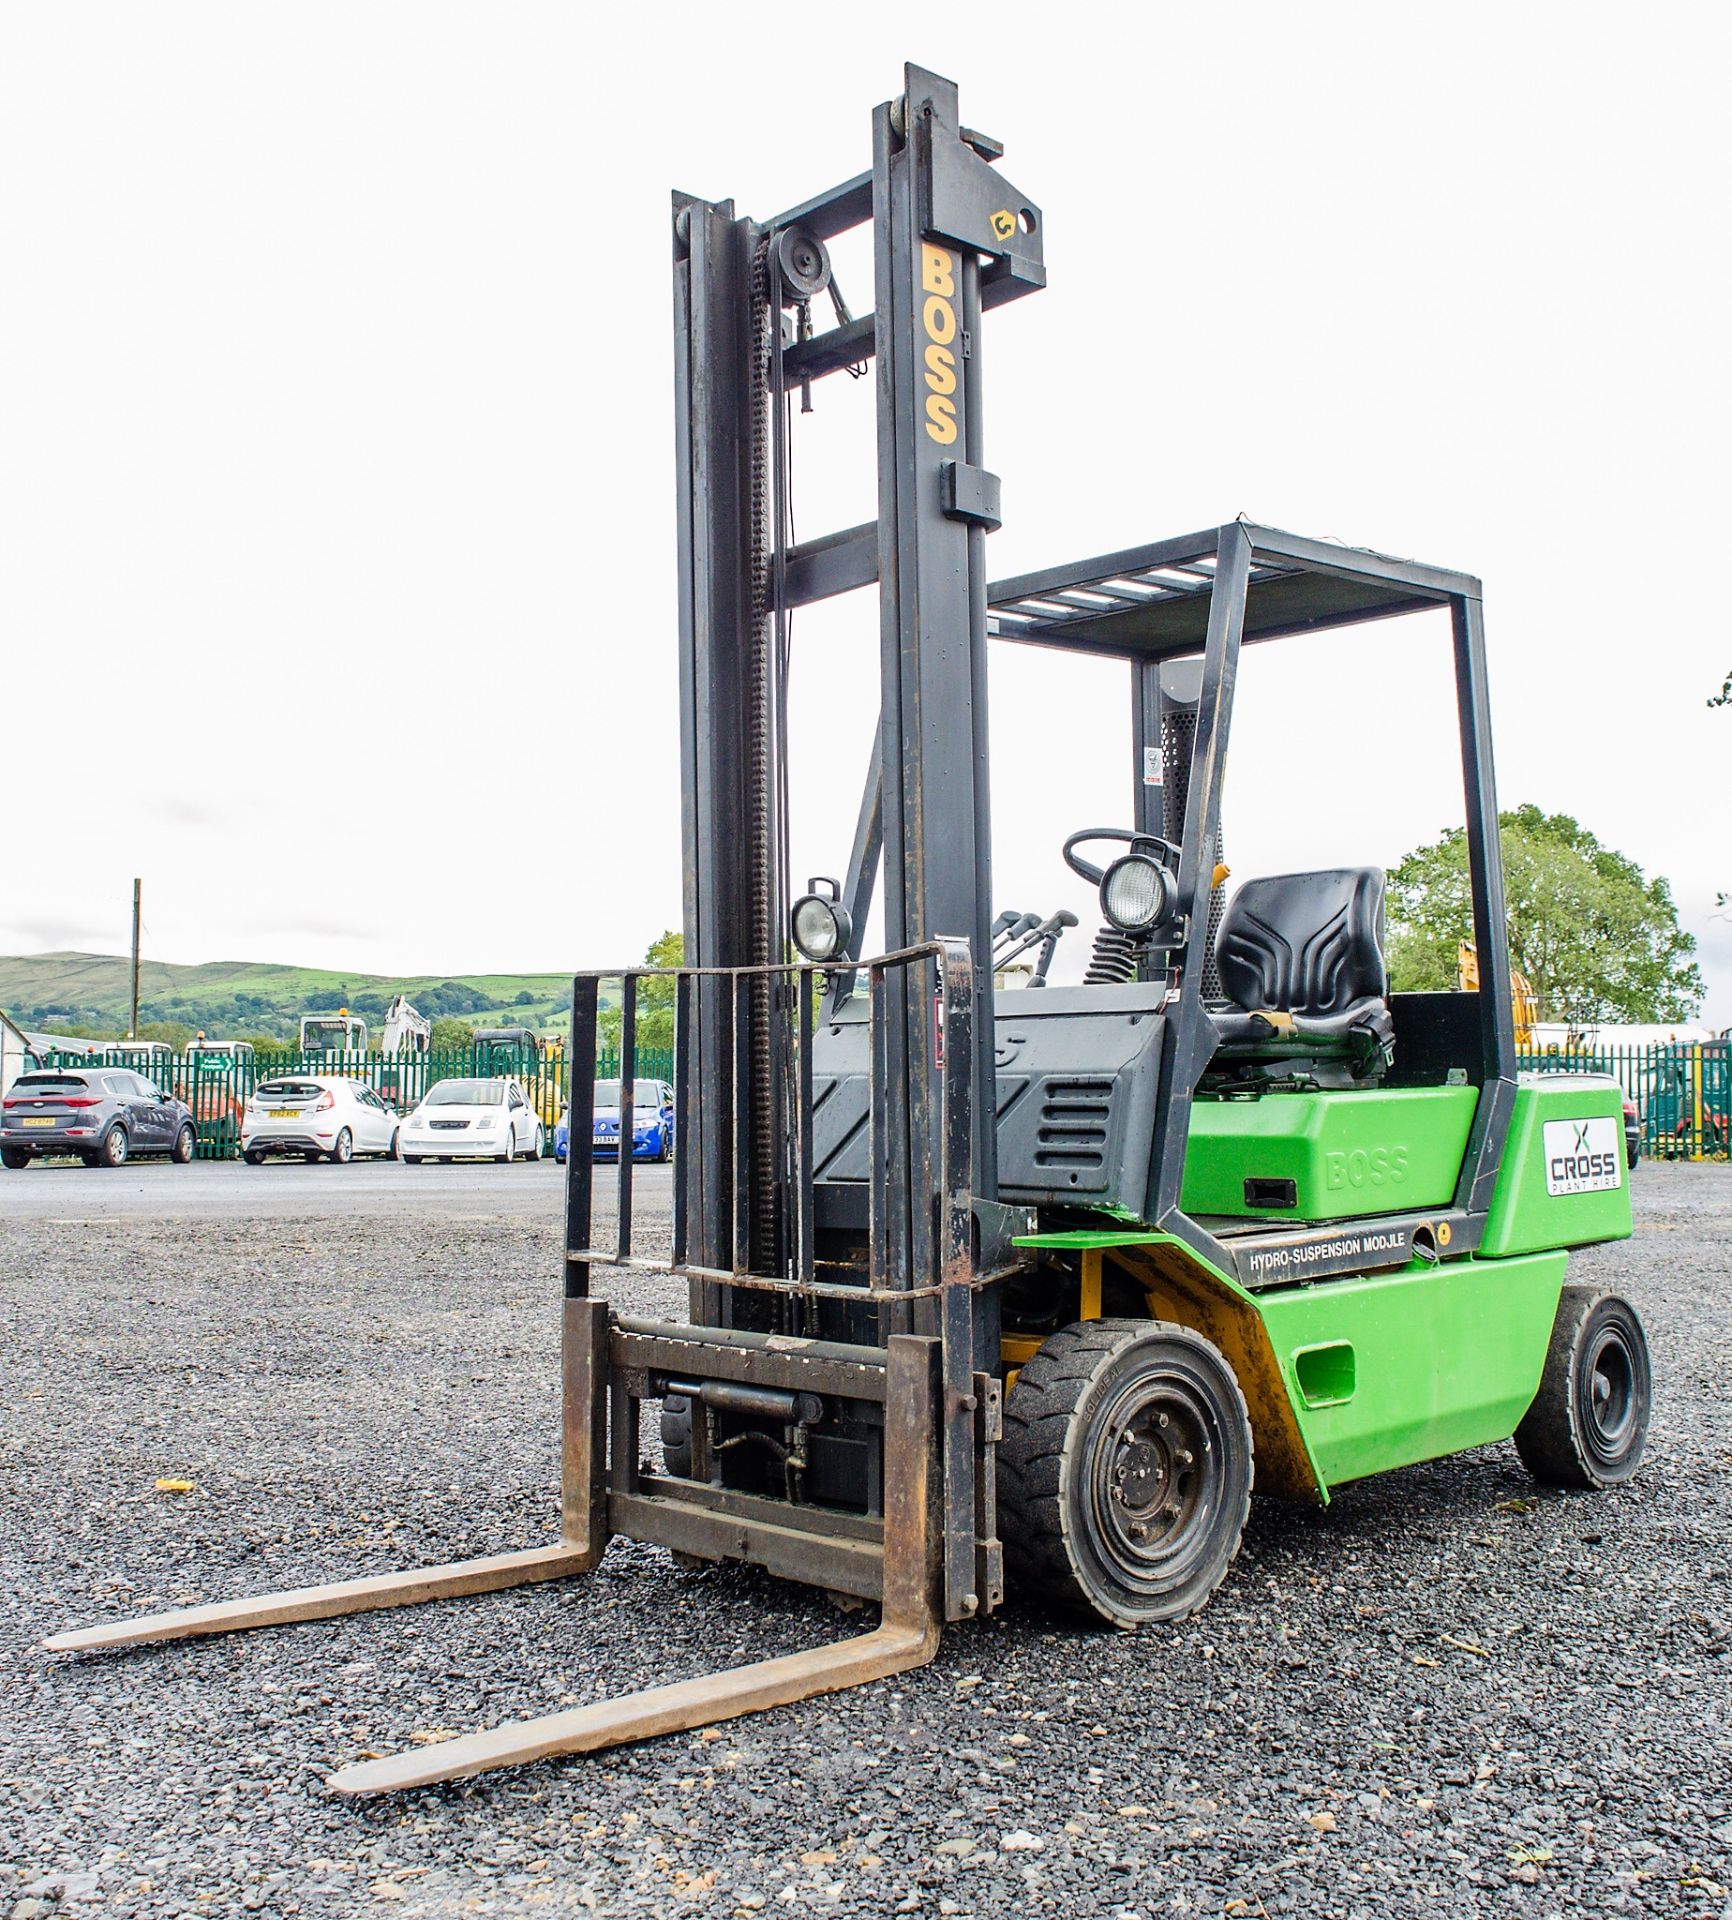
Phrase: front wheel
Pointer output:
(395, 1150)
(1124, 1475)
(112, 1152)
(1588, 1425)
(185, 1144)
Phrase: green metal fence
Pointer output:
(1682, 1093)
(217, 1086)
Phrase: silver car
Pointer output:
(105, 1115)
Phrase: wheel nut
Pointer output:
(1171, 1510)
(1185, 1457)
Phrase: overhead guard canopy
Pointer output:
(1152, 602)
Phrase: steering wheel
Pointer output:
(1087, 870)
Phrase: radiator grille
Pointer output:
(1074, 1116)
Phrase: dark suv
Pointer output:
(105, 1115)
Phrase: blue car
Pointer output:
(652, 1129)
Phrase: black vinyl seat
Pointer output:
(1300, 957)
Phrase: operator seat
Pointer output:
(1300, 957)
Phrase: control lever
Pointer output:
(1049, 941)
(1012, 937)
(1031, 931)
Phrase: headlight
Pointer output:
(820, 923)
(1136, 893)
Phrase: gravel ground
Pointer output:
(1449, 1693)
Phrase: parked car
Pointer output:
(318, 1116)
(1632, 1133)
(473, 1120)
(652, 1123)
(105, 1115)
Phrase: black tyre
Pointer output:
(342, 1149)
(253, 1157)
(112, 1152)
(17, 1159)
(412, 1159)
(395, 1150)
(1124, 1476)
(1588, 1425)
(677, 1435)
(312, 1159)
(185, 1145)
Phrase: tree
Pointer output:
(1597, 939)
(451, 1035)
(175, 1033)
(655, 998)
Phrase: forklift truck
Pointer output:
(1012, 1293)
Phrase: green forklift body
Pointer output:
(1353, 1375)
(1333, 1155)
(1563, 1181)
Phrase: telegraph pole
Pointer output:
(137, 902)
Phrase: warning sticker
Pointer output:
(1153, 774)
(1583, 1156)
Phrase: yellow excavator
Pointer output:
(1522, 997)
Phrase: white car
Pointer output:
(319, 1116)
(473, 1120)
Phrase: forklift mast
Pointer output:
(952, 238)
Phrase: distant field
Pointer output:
(51, 990)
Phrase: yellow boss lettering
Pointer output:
(938, 283)
(936, 272)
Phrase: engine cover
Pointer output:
(1078, 1071)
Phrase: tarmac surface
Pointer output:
(1451, 1692)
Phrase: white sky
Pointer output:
(336, 479)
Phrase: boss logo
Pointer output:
(938, 314)
(1376, 1167)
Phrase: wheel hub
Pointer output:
(1158, 1476)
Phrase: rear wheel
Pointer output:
(112, 1152)
(535, 1143)
(1124, 1476)
(312, 1159)
(1588, 1425)
(253, 1157)
(185, 1144)
(412, 1159)
(343, 1148)
(17, 1159)
(395, 1150)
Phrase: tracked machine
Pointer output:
(1010, 1292)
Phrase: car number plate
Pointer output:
(40, 1120)
(284, 1113)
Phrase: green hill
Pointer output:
(50, 992)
